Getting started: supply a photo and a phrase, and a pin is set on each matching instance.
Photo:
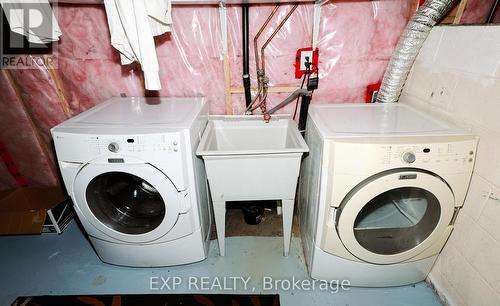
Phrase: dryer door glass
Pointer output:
(125, 202)
(397, 220)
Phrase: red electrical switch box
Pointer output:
(301, 58)
(371, 92)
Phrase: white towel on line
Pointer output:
(132, 24)
(40, 27)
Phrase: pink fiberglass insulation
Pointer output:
(356, 39)
(39, 92)
(476, 11)
(190, 56)
(88, 67)
(19, 137)
(6, 180)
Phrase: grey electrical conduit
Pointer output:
(408, 47)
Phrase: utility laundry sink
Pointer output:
(249, 159)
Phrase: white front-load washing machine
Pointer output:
(137, 186)
(380, 191)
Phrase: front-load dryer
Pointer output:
(137, 187)
(380, 191)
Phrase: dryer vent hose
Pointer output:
(408, 47)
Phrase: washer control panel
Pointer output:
(132, 144)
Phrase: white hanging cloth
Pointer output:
(132, 24)
(33, 19)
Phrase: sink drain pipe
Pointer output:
(408, 47)
(304, 110)
(246, 50)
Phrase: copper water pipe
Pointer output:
(274, 34)
(258, 34)
(260, 88)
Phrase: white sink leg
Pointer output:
(279, 211)
(287, 207)
(220, 224)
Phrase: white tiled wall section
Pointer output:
(457, 76)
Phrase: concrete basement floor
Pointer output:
(66, 264)
(270, 226)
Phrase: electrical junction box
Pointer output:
(301, 58)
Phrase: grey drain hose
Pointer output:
(289, 99)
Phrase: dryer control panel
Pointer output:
(448, 154)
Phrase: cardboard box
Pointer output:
(34, 211)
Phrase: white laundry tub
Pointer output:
(248, 159)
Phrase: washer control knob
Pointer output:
(175, 143)
(113, 147)
(409, 157)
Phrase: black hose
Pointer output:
(246, 51)
(491, 14)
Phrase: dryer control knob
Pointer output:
(113, 147)
(409, 157)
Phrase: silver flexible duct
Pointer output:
(409, 45)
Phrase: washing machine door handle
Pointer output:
(185, 201)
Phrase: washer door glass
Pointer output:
(125, 202)
(397, 220)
